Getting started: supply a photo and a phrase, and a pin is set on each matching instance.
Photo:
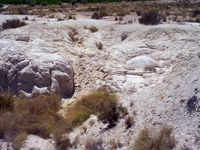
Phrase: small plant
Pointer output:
(59, 3)
(60, 19)
(138, 12)
(1, 5)
(95, 15)
(44, 3)
(70, 16)
(195, 12)
(99, 45)
(151, 140)
(115, 143)
(93, 29)
(31, 2)
(124, 36)
(150, 68)
(73, 2)
(116, 19)
(129, 122)
(18, 140)
(94, 145)
(14, 23)
(150, 18)
(102, 103)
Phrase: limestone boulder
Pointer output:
(38, 69)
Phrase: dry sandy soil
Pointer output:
(153, 98)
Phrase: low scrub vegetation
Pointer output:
(151, 140)
(14, 23)
(20, 117)
(102, 103)
(93, 29)
(152, 17)
(94, 144)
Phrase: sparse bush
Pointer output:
(99, 45)
(150, 68)
(70, 16)
(95, 15)
(73, 2)
(59, 3)
(151, 140)
(25, 18)
(102, 103)
(6, 103)
(60, 19)
(44, 3)
(138, 12)
(120, 18)
(33, 116)
(129, 122)
(22, 10)
(115, 143)
(18, 140)
(195, 12)
(102, 12)
(150, 18)
(93, 29)
(116, 19)
(31, 2)
(94, 144)
(14, 23)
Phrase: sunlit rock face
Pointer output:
(34, 69)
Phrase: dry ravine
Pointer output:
(154, 70)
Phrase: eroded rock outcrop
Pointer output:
(37, 70)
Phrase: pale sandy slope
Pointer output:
(157, 98)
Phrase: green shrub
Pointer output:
(93, 29)
(1, 5)
(151, 140)
(150, 18)
(14, 23)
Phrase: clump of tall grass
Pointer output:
(102, 103)
(152, 140)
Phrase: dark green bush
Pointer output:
(152, 17)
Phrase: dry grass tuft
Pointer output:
(102, 102)
(94, 145)
(36, 116)
(93, 29)
(150, 140)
